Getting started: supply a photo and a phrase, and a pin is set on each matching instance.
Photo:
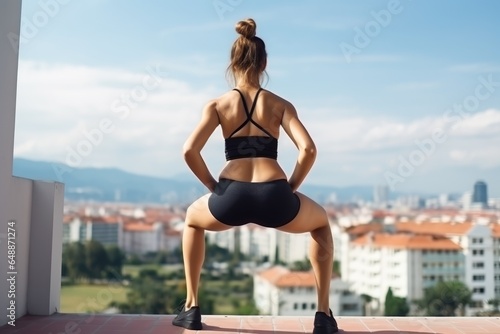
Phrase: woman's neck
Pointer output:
(248, 83)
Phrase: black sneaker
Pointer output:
(324, 324)
(190, 319)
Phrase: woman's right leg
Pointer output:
(198, 219)
(312, 218)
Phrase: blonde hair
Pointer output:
(248, 53)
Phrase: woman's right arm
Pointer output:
(197, 140)
(304, 143)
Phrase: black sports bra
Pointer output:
(251, 146)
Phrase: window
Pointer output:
(304, 306)
(478, 278)
(295, 306)
(478, 290)
(476, 304)
(349, 307)
(477, 252)
(477, 264)
(313, 306)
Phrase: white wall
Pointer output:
(10, 17)
(36, 207)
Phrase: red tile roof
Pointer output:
(435, 228)
(407, 241)
(282, 277)
(138, 227)
(364, 228)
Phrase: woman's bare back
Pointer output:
(268, 113)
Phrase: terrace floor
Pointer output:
(156, 324)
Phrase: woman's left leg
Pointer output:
(198, 219)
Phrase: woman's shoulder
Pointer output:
(231, 97)
(278, 99)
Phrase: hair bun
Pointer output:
(246, 28)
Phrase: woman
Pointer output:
(252, 187)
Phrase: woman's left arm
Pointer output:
(197, 140)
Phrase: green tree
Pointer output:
(495, 302)
(147, 295)
(74, 261)
(395, 306)
(304, 265)
(445, 298)
(336, 268)
(115, 261)
(96, 259)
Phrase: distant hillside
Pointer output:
(113, 184)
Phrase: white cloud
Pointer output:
(59, 104)
(480, 124)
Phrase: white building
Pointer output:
(106, 230)
(279, 291)
(405, 263)
(293, 247)
(258, 242)
(480, 243)
(140, 238)
(171, 239)
(254, 241)
(414, 255)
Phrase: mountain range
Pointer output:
(116, 185)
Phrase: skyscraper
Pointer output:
(381, 195)
(480, 194)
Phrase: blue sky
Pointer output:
(414, 61)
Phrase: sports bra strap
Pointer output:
(249, 114)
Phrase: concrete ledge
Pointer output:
(45, 253)
(156, 324)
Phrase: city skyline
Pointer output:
(388, 99)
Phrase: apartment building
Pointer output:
(140, 238)
(279, 291)
(258, 242)
(106, 230)
(480, 244)
(403, 255)
(406, 263)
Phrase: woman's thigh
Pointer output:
(198, 215)
(311, 216)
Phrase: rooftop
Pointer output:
(161, 324)
(407, 241)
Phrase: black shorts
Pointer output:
(269, 204)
